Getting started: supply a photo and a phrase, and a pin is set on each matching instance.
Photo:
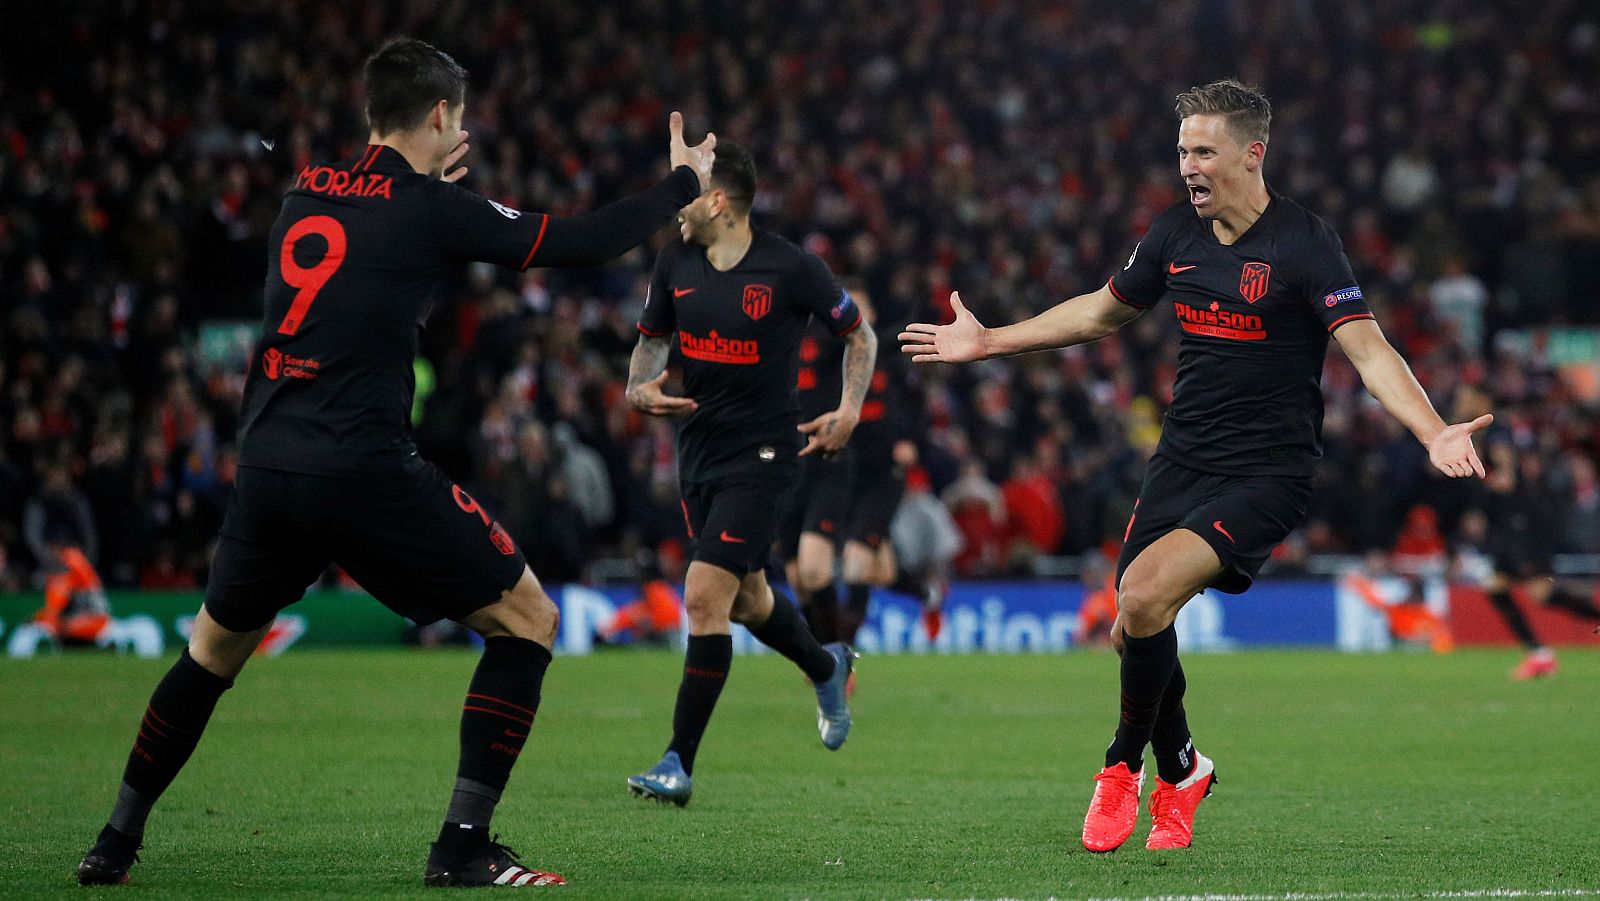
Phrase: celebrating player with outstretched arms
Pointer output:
(1257, 284)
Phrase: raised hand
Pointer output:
(959, 342)
(649, 398)
(700, 157)
(1452, 453)
(454, 157)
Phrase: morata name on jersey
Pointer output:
(339, 183)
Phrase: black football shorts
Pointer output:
(821, 503)
(1242, 517)
(418, 543)
(874, 499)
(733, 519)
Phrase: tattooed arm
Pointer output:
(830, 431)
(647, 371)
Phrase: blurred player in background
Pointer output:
(926, 541)
(885, 450)
(328, 472)
(1258, 284)
(815, 521)
(1507, 551)
(738, 299)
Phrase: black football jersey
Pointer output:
(820, 378)
(887, 414)
(357, 256)
(1255, 319)
(739, 335)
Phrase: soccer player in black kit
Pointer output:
(328, 472)
(738, 299)
(812, 529)
(1257, 284)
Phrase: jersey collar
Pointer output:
(1274, 201)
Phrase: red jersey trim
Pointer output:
(1339, 322)
(1112, 284)
(543, 224)
(853, 326)
(650, 333)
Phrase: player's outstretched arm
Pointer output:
(1390, 380)
(647, 372)
(1085, 318)
(828, 433)
(612, 230)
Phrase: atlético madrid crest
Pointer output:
(1253, 282)
(757, 301)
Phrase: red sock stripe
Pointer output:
(517, 707)
(514, 719)
(150, 712)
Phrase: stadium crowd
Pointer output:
(1013, 150)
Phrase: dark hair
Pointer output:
(405, 79)
(734, 174)
(1246, 108)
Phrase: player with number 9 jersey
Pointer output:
(328, 473)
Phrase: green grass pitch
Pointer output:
(324, 774)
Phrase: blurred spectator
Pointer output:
(59, 515)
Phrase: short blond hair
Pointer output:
(1248, 113)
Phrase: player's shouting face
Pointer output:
(1216, 164)
(698, 222)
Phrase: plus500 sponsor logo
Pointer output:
(1220, 323)
(715, 349)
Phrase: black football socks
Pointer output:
(785, 633)
(1147, 666)
(857, 596)
(496, 717)
(172, 725)
(705, 671)
(1574, 603)
(1512, 614)
(822, 612)
(1170, 739)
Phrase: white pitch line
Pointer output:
(1333, 896)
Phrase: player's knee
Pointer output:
(707, 613)
(814, 575)
(1144, 608)
(525, 611)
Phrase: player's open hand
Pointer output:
(453, 157)
(829, 433)
(1452, 453)
(649, 398)
(700, 157)
(962, 341)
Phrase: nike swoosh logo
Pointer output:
(510, 734)
(729, 538)
(1218, 526)
(1174, 268)
(679, 292)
